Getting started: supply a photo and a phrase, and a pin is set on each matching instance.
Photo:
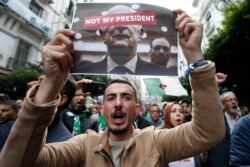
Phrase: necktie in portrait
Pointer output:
(121, 70)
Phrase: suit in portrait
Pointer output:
(142, 68)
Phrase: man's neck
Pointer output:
(233, 116)
(121, 137)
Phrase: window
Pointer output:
(20, 59)
(36, 8)
(70, 9)
(44, 15)
(66, 26)
(208, 16)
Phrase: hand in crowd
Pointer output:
(80, 84)
(57, 60)
(56, 55)
(190, 36)
(220, 78)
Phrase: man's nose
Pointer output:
(162, 50)
(118, 102)
(82, 97)
(121, 28)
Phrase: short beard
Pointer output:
(118, 131)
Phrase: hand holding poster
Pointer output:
(137, 39)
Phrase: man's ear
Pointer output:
(140, 34)
(142, 31)
(101, 32)
(102, 110)
(64, 99)
(137, 106)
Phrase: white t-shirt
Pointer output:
(117, 148)
(188, 162)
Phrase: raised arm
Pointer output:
(57, 60)
(207, 126)
(190, 36)
(27, 136)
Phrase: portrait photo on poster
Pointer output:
(124, 38)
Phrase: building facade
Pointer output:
(210, 13)
(26, 25)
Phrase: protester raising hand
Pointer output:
(190, 36)
(57, 60)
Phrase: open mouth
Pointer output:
(179, 121)
(235, 107)
(79, 103)
(118, 117)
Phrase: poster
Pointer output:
(116, 38)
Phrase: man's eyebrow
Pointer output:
(122, 93)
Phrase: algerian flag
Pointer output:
(154, 86)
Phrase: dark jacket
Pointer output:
(240, 147)
(88, 121)
(4, 132)
(218, 156)
(142, 68)
(57, 131)
(141, 122)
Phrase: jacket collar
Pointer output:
(103, 143)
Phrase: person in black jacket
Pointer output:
(139, 121)
(77, 116)
(57, 131)
(218, 156)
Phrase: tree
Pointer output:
(95, 78)
(186, 84)
(15, 84)
(230, 49)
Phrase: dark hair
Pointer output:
(68, 89)
(154, 104)
(122, 82)
(151, 42)
(184, 101)
(12, 103)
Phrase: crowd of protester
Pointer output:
(193, 133)
(80, 111)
